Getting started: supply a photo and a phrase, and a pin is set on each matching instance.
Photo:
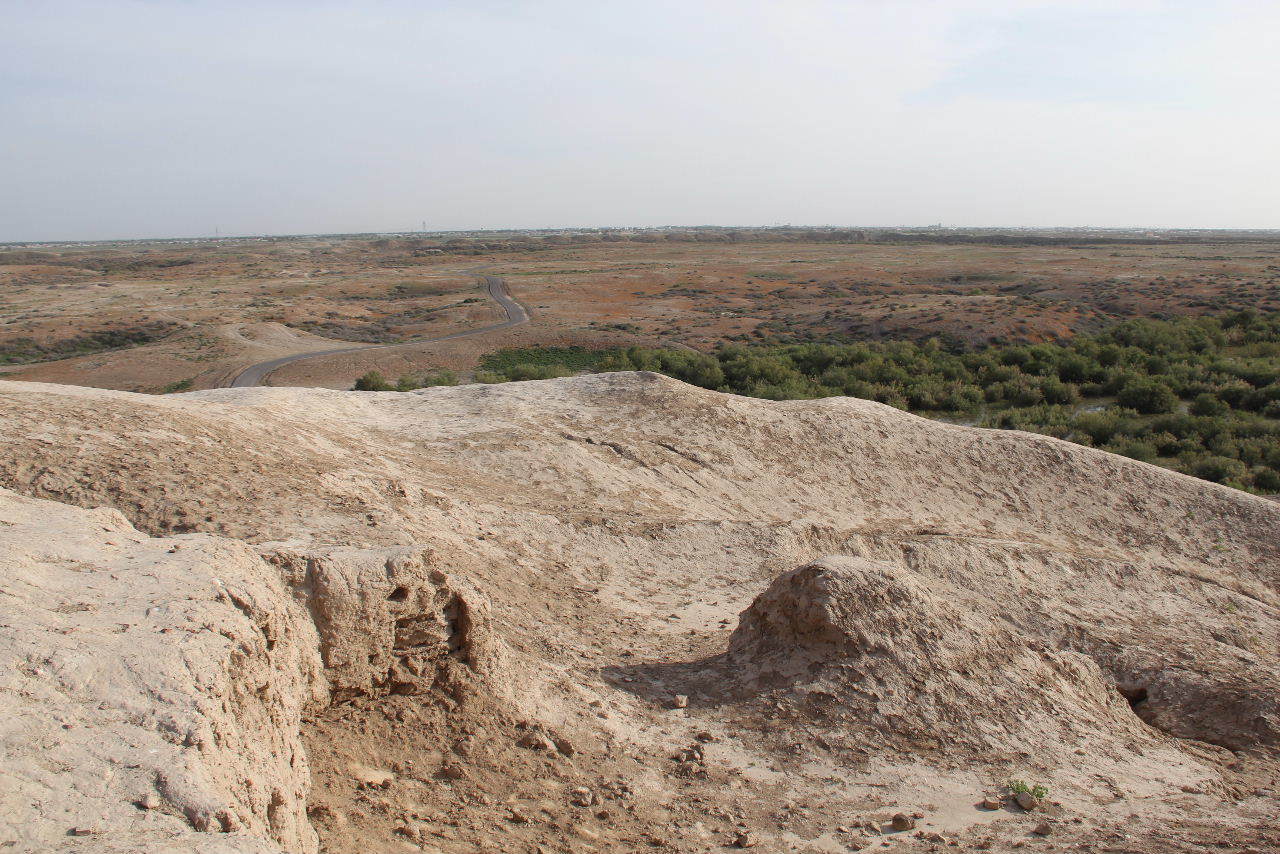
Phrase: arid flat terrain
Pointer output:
(178, 315)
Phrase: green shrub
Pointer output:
(1227, 368)
(536, 372)
(1206, 404)
(1147, 396)
(21, 351)
(179, 385)
(1018, 787)
(411, 382)
(1217, 469)
(574, 358)
(373, 381)
(1266, 480)
(1135, 449)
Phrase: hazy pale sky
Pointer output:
(158, 119)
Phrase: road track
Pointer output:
(256, 375)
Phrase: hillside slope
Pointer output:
(525, 603)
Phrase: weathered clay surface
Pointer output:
(860, 640)
(471, 604)
(391, 621)
(150, 688)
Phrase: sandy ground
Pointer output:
(613, 613)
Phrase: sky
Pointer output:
(189, 118)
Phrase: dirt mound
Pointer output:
(866, 641)
(504, 616)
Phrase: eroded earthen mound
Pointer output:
(460, 615)
(868, 642)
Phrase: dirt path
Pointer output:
(255, 375)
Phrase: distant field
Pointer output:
(244, 301)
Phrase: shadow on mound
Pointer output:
(863, 645)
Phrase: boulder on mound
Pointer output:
(871, 644)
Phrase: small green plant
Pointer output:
(180, 385)
(412, 382)
(373, 381)
(1037, 791)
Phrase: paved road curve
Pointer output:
(516, 315)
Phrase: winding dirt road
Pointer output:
(497, 286)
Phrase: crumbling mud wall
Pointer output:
(150, 688)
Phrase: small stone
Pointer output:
(990, 803)
(1027, 801)
(565, 746)
(902, 821)
(706, 737)
(690, 754)
(85, 830)
(149, 801)
(679, 701)
(516, 816)
(1043, 829)
(745, 839)
(536, 741)
(453, 771)
(935, 837)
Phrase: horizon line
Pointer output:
(636, 228)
